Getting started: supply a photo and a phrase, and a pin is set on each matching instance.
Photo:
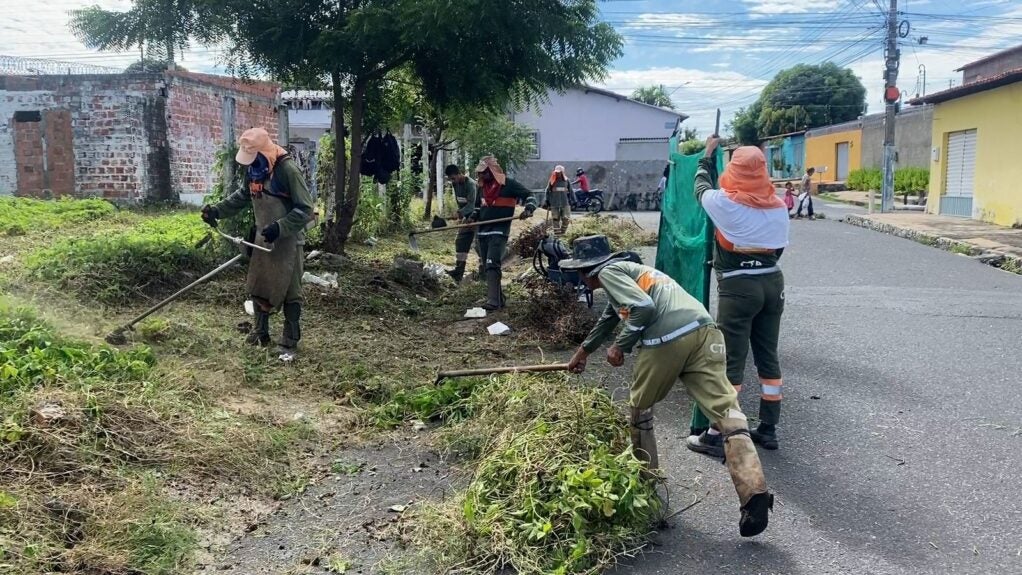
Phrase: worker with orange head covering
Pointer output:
(277, 193)
(751, 233)
(557, 200)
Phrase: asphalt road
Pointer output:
(901, 428)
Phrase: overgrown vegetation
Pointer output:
(906, 180)
(157, 256)
(20, 215)
(556, 488)
(228, 177)
(623, 233)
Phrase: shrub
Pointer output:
(911, 180)
(18, 216)
(865, 179)
(153, 258)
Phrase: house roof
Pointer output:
(619, 97)
(1003, 79)
(993, 56)
(775, 136)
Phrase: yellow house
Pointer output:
(976, 172)
(834, 151)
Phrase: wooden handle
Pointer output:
(510, 369)
(458, 226)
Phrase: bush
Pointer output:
(18, 216)
(623, 233)
(369, 214)
(556, 488)
(157, 256)
(241, 223)
(691, 147)
(865, 179)
(911, 180)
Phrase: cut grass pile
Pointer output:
(19, 216)
(156, 257)
(89, 438)
(622, 232)
(556, 488)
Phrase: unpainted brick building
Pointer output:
(125, 137)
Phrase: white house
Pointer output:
(614, 138)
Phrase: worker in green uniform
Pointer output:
(751, 233)
(497, 199)
(557, 191)
(465, 196)
(678, 340)
(279, 197)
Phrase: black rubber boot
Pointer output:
(292, 325)
(712, 445)
(765, 435)
(458, 272)
(494, 297)
(260, 334)
(756, 515)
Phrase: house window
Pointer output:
(534, 148)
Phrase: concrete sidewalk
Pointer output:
(994, 245)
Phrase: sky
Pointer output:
(709, 55)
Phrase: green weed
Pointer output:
(18, 216)
(444, 402)
(157, 256)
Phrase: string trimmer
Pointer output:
(492, 370)
(414, 244)
(117, 337)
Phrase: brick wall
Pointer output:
(106, 143)
(196, 123)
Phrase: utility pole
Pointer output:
(892, 58)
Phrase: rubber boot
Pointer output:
(494, 297)
(746, 474)
(260, 334)
(643, 439)
(765, 435)
(292, 325)
(458, 272)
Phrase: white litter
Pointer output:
(6, 259)
(326, 280)
(475, 313)
(434, 271)
(499, 328)
(313, 255)
(249, 307)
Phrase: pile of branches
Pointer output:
(554, 312)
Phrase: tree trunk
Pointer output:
(335, 197)
(346, 212)
(431, 190)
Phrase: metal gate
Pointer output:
(842, 161)
(959, 174)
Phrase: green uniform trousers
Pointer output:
(698, 359)
(491, 251)
(749, 312)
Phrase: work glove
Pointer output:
(271, 232)
(210, 215)
(526, 215)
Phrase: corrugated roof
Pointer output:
(619, 97)
(1009, 77)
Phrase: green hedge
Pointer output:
(906, 180)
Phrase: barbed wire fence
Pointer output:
(18, 66)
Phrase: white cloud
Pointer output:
(790, 6)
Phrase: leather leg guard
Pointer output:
(643, 439)
(746, 474)
(292, 324)
(494, 297)
(260, 334)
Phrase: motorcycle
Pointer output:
(591, 201)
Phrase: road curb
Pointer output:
(1007, 262)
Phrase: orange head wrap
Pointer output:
(745, 180)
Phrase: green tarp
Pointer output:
(685, 231)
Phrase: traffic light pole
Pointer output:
(892, 61)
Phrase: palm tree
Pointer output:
(654, 96)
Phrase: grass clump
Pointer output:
(18, 216)
(623, 234)
(556, 487)
(152, 259)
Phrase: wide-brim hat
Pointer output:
(491, 163)
(251, 142)
(587, 252)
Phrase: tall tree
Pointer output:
(654, 96)
(165, 27)
(801, 98)
(473, 52)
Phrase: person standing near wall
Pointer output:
(751, 234)
(557, 191)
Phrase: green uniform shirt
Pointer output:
(557, 193)
(651, 305)
(300, 200)
(465, 195)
